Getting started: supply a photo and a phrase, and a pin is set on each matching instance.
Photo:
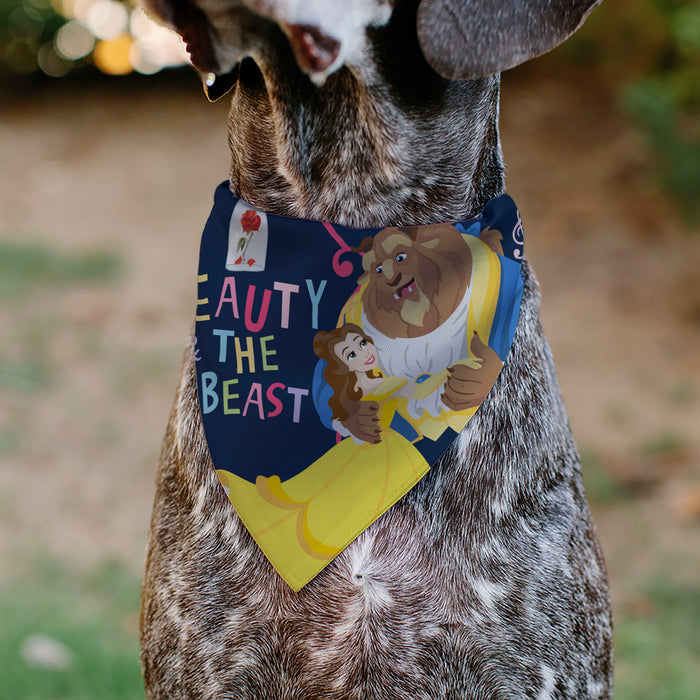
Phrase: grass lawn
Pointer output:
(93, 619)
(657, 647)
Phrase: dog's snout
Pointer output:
(315, 51)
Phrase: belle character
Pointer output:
(351, 485)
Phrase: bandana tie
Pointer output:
(336, 365)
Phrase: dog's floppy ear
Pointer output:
(474, 38)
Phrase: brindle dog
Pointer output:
(486, 580)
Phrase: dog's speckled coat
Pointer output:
(486, 581)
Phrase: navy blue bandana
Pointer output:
(335, 365)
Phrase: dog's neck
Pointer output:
(386, 143)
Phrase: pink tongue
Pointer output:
(404, 291)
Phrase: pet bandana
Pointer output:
(336, 365)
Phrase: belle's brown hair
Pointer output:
(337, 374)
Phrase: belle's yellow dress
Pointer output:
(303, 522)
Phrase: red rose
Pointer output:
(250, 221)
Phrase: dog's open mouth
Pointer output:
(405, 289)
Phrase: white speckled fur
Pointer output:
(486, 580)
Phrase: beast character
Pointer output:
(416, 292)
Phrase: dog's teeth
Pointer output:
(211, 79)
(396, 296)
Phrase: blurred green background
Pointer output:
(110, 155)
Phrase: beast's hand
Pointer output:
(364, 423)
(467, 387)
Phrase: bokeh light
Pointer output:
(112, 56)
(52, 63)
(58, 36)
(20, 55)
(26, 20)
(107, 19)
(73, 41)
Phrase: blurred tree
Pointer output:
(648, 51)
(666, 101)
(27, 30)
